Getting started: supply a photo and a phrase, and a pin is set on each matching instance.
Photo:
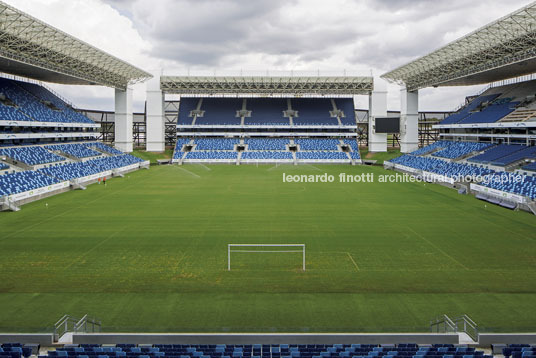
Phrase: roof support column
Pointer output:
(155, 115)
(123, 120)
(377, 108)
(409, 120)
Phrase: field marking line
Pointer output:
(315, 168)
(94, 247)
(437, 248)
(189, 172)
(353, 261)
(69, 210)
(204, 166)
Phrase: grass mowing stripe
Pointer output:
(166, 270)
(438, 248)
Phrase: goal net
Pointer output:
(265, 248)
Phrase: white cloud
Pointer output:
(356, 35)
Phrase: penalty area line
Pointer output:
(353, 261)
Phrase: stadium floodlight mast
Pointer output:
(243, 248)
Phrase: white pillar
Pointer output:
(409, 120)
(123, 120)
(377, 142)
(155, 141)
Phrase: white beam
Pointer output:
(377, 108)
(409, 120)
(155, 141)
(123, 120)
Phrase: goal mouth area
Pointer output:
(265, 248)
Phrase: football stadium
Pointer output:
(267, 214)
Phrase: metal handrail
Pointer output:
(463, 323)
(68, 323)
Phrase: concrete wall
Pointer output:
(264, 338)
(486, 339)
(42, 339)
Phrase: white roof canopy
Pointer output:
(31, 48)
(503, 49)
(267, 85)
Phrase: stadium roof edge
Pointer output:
(298, 85)
(502, 49)
(31, 48)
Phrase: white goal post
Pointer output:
(244, 248)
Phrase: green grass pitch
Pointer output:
(147, 253)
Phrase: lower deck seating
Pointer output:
(268, 351)
(317, 144)
(20, 182)
(15, 350)
(531, 166)
(178, 153)
(266, 149)
(267, 154)
(524, 185)
(440, 167)
(322, 155)
(266, 143)
(213, 154)
(217, 144)
(4, 166)
(520, 351)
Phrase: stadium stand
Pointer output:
(346, 105)
(525, 153)
(317, 144)
(178, 153)
(187, 105)
(212, 154)
(321, 155)
(104, 148)
(220, 111)
(440, 167)
(313, 111)
(531, 166)
(82, 169)
(33, 155)
(267, 111)
(519, 351)
(15, 350)
(491, 113)
(267, 154)
(76, 150)
(466, 110)
(266, 143)
(4, 166)
(35, 103)
(524, 185)
(216, 144)
(269, 351)
(430, 148)
(453, 150)
(19, 182)
(496, 153)
(69, 114)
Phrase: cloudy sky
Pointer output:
(364, 36)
